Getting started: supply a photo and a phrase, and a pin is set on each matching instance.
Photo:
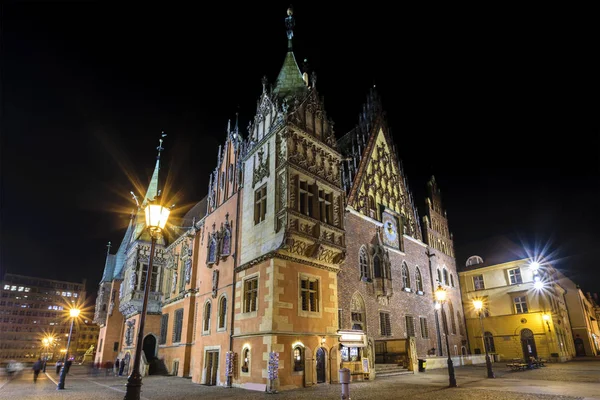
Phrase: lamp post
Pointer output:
(156, 219)
(47, 341)
(440, 296)
(74, 313)
(478, 305)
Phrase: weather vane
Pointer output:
(289, 25)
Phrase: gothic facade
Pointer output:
(301, 237)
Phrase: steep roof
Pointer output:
(120, 256)
(109, 267)
(289, 81)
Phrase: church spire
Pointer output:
(290, 79)
(153, 189)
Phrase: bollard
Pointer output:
(345, 380)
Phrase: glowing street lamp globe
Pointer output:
(156, 217)
(546, 317)
(538, 285)
(534, 265)
(477, 304)
(74, 312)
(440, 294)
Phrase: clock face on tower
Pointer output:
(390, 230)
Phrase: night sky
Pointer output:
(495, 103)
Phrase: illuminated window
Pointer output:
(418, 281)
(246, 360)
(521, 304)
(21, 288)
(6, 287)
(222, 313)
(298, 359)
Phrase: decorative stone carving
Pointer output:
(174, 283)
(188, 270)
(129, 333)
(262, 170)
(215, 283)
(132, 280)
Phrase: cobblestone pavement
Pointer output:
(432, 384)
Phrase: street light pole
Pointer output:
(156, 219)
(488, 362)
(74, 312)
(440, 295)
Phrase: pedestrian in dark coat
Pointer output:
(121, 367)
(116, 367)
(37, 367)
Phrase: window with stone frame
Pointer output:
(305, 199)
(325, 206)
(385, 324)
(514, 276)
(309, 294)
(260, 204)
(164, 324)
(246, 360)
(363, 262)
(520, 304)
(181, 276)
(221, 323)
(177, 325)
(424, 328)
(445, 276)
(212, 250)
(226, 243)
(410, 326)
(488, 339)
(418, 281)
(478, 282)
(439, 275)
(250, 294)
(206, 320)
(405, 277)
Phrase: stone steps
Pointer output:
(382, 370)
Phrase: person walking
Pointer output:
(68, 365)
(117, 367)
(58, 365)
(122, 367)
(37, 367)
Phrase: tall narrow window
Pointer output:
(418, 281)
(363, 261)
(446, 280)
(298, 359)
(478, 282)
(488, 339)
(377, 267)
(309, 294)
(306, 198)
(164, 323)
(521, 304)
(514, 276)
(260, 204)
(246, 360)
(452, 321)
(424, 328)
(226, 244)
(439, 275)
(405, 277)
(410, 326)
(384, 324)
(143, 277)
(461, 326)
(325, 207)
(177, 325)
(212, 250)
(451, 280)
(357, 312)
(206, 324)
(250, 294)
(222, 313)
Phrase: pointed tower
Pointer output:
(436, 232)
(293, 238)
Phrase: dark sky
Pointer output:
(495, 102)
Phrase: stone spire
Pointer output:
(153, 189)
(290, 80)
(119, 261)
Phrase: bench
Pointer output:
(517, 366)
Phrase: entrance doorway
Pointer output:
(150, 347)
(321, 365)
(125, 361)
(528, 344)
(579, 348)
(212, 365)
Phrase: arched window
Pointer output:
(206, 324)
(377, 267)
(357, 312)
(246, 360)
(405, 277)
(461, 327)
(298, 358)
(488, 339)
(363, 262)
(451, 280)
(212, 251)
(418, 280)
(226, 244)
(222, 313)
(445, 281)
(452, 321)
(439, 275)
(474, 260)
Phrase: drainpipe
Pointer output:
(440, 351)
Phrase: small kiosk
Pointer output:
(353, 354)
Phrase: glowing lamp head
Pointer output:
(440, 294)
(477, 305)
(538, 285)
(156, 217)
(534, 265)
(45, 341)
(546, 317)
(74, 312)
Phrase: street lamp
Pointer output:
(156, 219)
(478, 305)
(440, 297)
(546, 318)
(47, 341)
(74, 313)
